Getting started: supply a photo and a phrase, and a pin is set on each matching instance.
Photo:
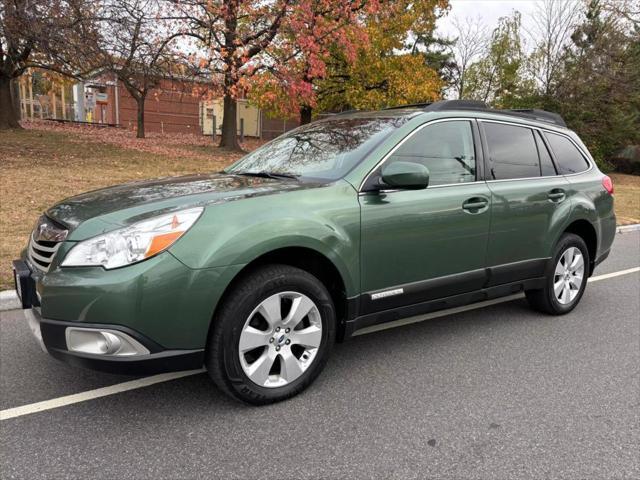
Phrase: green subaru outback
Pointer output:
(348, 222)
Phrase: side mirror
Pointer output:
(406, 175)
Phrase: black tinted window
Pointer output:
(512, 151)
(568, 157)
(445, 148)
(546, 164)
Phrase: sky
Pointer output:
(489, 11)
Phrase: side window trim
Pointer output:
(541, 138)
(390, 153)
(479, 150)
(486, 162)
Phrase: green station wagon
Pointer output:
(337, 226)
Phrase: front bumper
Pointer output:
(50, 334)
(160, 298)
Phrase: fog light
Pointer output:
(103, 342)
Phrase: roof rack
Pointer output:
(410, 105)
(537, 114)
(475, 105)
(457, 105)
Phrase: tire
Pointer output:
(560, 301)
(260, 303)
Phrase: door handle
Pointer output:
(556, 195)
(475, 204)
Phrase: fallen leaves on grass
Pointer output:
(626, 198)
(47, 162)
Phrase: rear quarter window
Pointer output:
(568, 158)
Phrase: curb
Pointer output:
(628, 228)
(9, 298)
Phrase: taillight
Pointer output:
(607, 183)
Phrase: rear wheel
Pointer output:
(566, 277)
(272, 336)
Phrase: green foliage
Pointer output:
(438, 55)
(384, 73)
(596, 86)
(498, 78)
(599, 95)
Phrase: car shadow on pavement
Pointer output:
(355, 362)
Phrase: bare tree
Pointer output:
(553, 22)
(234, 34)
(627, 10)
(472, 38)
(38, 34)
(136, 45)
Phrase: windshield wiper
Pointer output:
(268, 174)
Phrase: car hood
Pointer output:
(124, 204)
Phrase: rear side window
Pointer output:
(547, 169)
(445, 148)
(512, 151)
(567, 155)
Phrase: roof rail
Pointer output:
(530, 113)
(475, 105)
(409, 105)
(537, 114)
(457, 105)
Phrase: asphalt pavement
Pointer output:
(500, 392)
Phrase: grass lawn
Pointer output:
(45, 163)
(626, 189)
(48, 162)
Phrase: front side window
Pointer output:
(567, 155)
(326, 149)
(445, 148)
(512, 151)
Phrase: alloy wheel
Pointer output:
(568, 276)
(280, 339)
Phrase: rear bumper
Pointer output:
(50, 334)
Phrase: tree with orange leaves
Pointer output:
(385, 73)
(231, 36)
(355, 59)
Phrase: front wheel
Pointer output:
(272, 336)
(566, 278)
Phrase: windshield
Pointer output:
(326, 149)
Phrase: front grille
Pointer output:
(44, 243)
(41, 253)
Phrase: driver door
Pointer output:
(418, 245)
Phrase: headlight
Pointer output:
(132, 244)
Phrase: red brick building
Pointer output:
(176, 106)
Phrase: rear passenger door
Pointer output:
(529, 201)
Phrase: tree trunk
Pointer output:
(140, 102)
(305, 114)
(8, 114)
(229, 137)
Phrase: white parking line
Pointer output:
(165, 377)
(92, 394)
(614, 274)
